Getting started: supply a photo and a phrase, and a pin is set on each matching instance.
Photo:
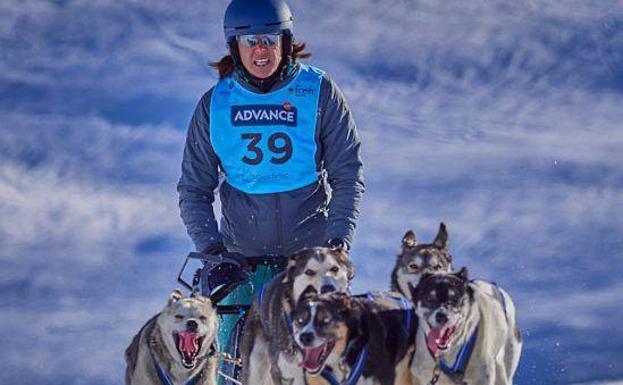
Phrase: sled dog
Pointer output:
(176, 346)
(364, 339)
(268, 351)
(417, 259)
(468, 328)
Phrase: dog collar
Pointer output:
(356, 371)
(166, 380)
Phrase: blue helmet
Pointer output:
(248, 17)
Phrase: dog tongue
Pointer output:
(312, 356)
(435, 339)
(188, 342)
(431, 340)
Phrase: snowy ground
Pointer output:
(501, 118)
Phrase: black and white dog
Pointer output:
(417, 259)
(364, 339)
(467, 332)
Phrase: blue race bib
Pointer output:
(267, 142)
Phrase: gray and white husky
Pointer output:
(467, 332)
(416, 259)
(268, 351)
(176, 345)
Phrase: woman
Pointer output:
(285, 140)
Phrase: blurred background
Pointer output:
(501, 118)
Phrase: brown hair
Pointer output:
(225, 66)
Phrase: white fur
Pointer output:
(322, 276)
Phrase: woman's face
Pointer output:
(260, 54)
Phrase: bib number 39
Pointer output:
(279, 144)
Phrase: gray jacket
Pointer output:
(277, 223)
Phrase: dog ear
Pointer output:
(409, 241)
(462, 274)
(441, 240)
(199, 297)
(345, 257)
(343, 302)
(287, 277)
(175, 296)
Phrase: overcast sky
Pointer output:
(501, 118)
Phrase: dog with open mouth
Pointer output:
(268, 351)
(176, 346)
(416, 259)
(467, 332)
(364, 339)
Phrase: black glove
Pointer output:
(227, 256)
(214, 249)
(337, 244)
(241, 260)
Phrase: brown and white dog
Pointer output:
(364, 339)
(416, 259)
(179, 344)
(268, 351)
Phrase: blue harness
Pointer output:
(462, 358)
(354, 374)
(164, 378)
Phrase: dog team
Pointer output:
(435, 326)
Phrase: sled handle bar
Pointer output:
(201, 257)
(216, 259)
(232, 309)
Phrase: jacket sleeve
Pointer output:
(200, 172)
(341, 158)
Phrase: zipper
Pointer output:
(279, 225)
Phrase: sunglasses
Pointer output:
(252, 41)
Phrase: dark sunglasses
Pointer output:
(252, 41)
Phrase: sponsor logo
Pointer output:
(301, 91)
(264, 115)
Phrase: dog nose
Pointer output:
(441, 318)
(192, 325)
(307, 338)
(327, 289)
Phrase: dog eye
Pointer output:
(413, 266)
(437, 267)
(327, 320)
(203, 318)
(179, 317)
(310, 272)
(335, 269)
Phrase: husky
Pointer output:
(268, 351)
(364, 339)
(416, 259)
(177, 345)
(467, 332)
